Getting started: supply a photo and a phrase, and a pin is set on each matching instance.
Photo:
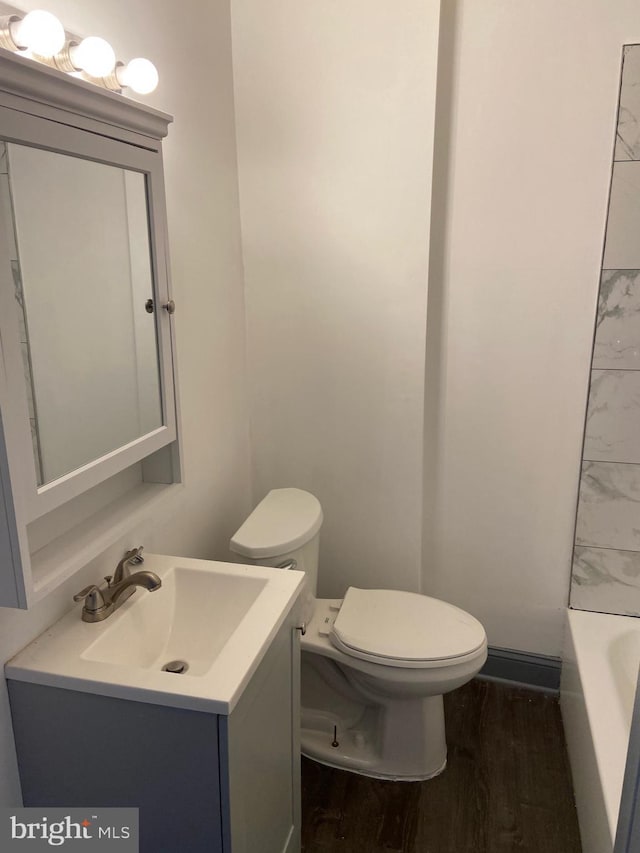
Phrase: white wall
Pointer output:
(334, 137)
(335, 107)
(191, 47)
(526, 117)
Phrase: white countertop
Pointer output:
(62, 656)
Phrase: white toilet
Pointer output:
(374, 664)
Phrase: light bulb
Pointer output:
(40, 32)
(93, 55)
(140, 75)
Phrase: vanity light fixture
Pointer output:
(41, 36)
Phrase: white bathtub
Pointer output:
(599, 675)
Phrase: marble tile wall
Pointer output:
(606, 558)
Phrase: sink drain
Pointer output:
(176, 666)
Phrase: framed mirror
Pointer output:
(87, 386)
(81, 263)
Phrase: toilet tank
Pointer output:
(285, 526)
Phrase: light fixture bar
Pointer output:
(40, 36)
(62, 59)
(6, 39)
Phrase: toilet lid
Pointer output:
(286, 519)
(403, 628)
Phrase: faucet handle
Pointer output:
(94, 599)
(136, 555)
(122, 569)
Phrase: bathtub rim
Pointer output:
(597, 727)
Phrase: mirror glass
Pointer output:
(82, 273)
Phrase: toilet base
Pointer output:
(348, 763)
(399, 739)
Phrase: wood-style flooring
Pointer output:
(507, 787)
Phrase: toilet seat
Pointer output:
(404, 629)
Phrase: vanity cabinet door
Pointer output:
(81, 750)
(260, 751)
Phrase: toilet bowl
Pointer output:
(375, 664)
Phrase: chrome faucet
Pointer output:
(148, 580)
(123, 571)
(101, 601)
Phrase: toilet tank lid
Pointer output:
(286, 519)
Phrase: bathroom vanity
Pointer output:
(209, 756)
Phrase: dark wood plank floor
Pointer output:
(507, 787)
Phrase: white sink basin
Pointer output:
(190, 618)
(218, 618)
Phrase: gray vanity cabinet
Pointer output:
(203, 782)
